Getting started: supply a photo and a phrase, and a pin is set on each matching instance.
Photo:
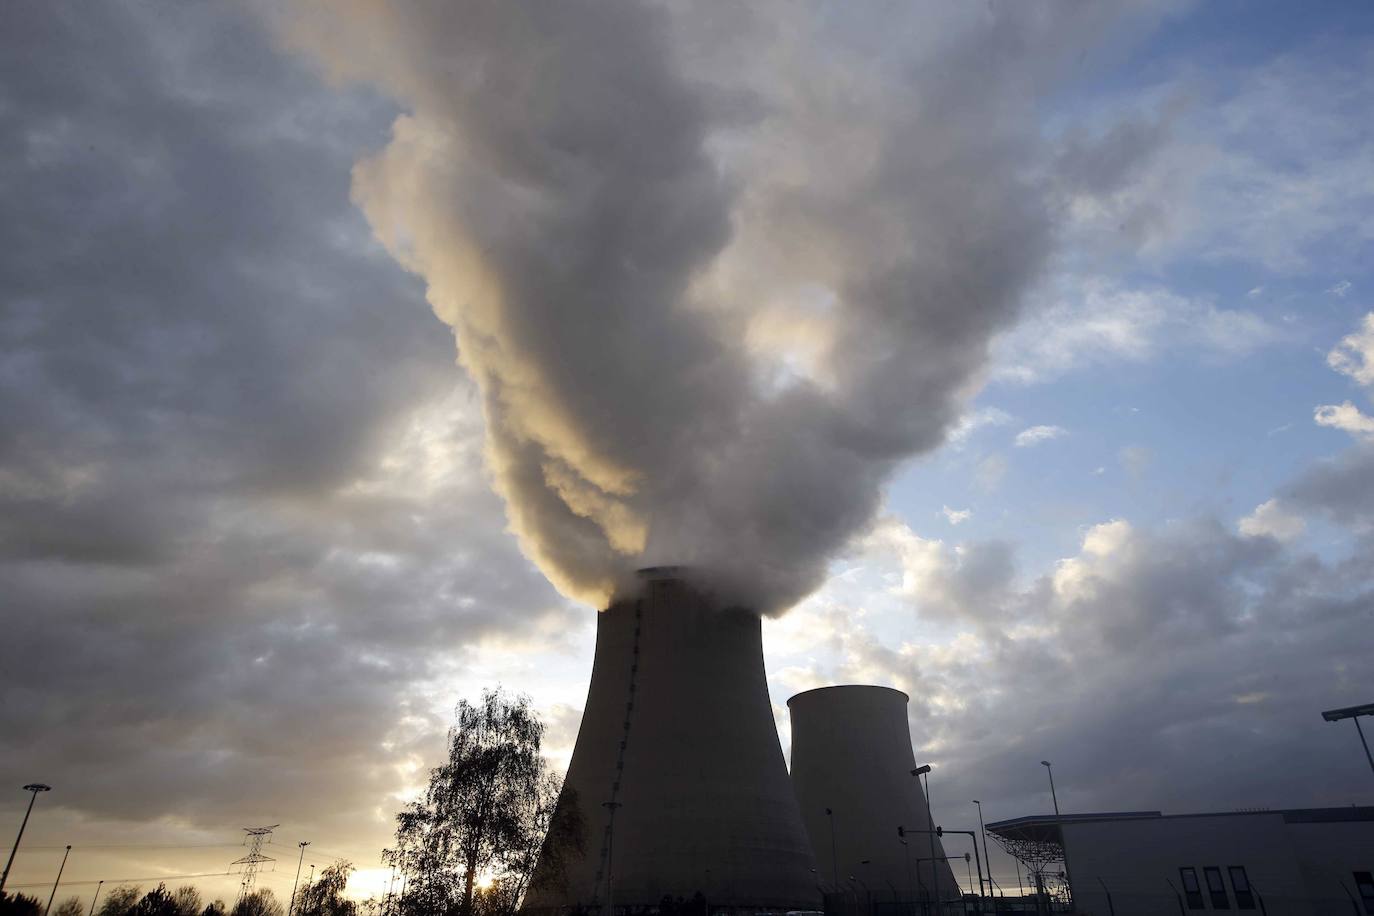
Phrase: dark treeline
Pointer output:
(323, 897)
(467, 847)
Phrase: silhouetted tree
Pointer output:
(325, 895)
(188, 902)
(261, 902)
(157, 902)
(487, 810)
(217, 908)
(19, 905)
(119, 901)
(72, 906)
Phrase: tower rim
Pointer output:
(848, 687)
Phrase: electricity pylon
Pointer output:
(255, 837)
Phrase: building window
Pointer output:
(1365, 882)
(1191, 889)
(1240, 883)
(1216, 888)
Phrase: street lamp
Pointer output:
(60, 870)
(35, 788)
(983, 830)
(1354, 712)
(292, 905)
(920, 771)
(1063, 845)
(96, 896)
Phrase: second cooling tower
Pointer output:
(851, 769)
(678, 773)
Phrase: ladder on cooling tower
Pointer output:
(614, 803)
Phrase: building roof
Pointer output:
(1045, 827)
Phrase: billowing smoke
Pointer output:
(716, 272)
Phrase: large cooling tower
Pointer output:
(678, 732)
(851, 756)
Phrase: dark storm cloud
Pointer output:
(583, 187)
(1341, 487)
(242, 513)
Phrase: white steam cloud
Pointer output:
(717, 272)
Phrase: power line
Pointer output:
(141, 846)
(208, 874)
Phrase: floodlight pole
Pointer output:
(986, 858)
(35, 788)
(920, 771)
(973, 838)
(292, 906)
(1063, 845)
(60, 870)
(96, 896)
(1368, 756)
(1354, 712)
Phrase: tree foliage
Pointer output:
(157, 902)
(188, 902)
(325, 895)
(262, 902)
(72, 906)
(119, 900)
(485, 814)
(19, 905)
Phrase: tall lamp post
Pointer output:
(1068, 875)
(96, 896)
(924, 770)
(986, 858)
(292, 906)
(1354, 712)
(60, 870)
(35, 788)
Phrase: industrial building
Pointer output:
(1302, 862)
(852, 768)
(677, 772)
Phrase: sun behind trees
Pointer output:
(468, 847)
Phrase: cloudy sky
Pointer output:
(1017, 356)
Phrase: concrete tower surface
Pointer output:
(678, 774)
(851, 755)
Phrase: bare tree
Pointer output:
(72, 906)
(485, 814)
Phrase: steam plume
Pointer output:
(716, 272)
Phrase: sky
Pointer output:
(1017, 356)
